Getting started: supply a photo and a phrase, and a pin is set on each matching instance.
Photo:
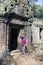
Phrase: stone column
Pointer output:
(28, 34)
(2, 38)
(7, 33)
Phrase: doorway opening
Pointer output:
(41, 32)
(13, 34)
(14, 31)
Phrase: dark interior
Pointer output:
(40, 32)
(13, 34)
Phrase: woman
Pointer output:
(23, 43)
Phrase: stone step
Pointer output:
(15, 53)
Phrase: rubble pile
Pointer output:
(38, 53)
(8, 60)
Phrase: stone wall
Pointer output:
(37, 25)
(35, 34)
(2, 38)
(21, 7)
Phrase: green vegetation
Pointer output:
(37, 11)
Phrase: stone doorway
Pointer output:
(41, 33)
(13, 35)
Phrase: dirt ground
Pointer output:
(27, 60)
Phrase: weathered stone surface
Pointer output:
(38, 51)
(14, 21)
(3, 51)
(39, 55)
(3, 48)
(36, 33)
(8, 60)
(20, 7)
(16, 54)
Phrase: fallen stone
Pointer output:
(8, 60)
(15, 54)
(39, 55)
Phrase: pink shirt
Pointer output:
(23, 41)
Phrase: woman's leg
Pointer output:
(23, 50)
